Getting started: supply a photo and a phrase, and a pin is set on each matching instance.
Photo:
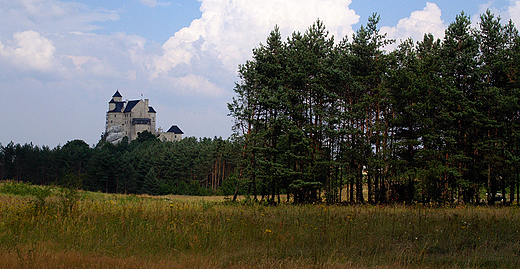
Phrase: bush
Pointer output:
(26, 189)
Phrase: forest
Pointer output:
(433, 121)
(143, 166)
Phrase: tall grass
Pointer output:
(136, 231)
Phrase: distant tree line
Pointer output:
(146, 165)
(433, 121)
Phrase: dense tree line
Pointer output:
(146, 165)
(432, 121)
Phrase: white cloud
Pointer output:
(419, 23)
(40, 8)
(514, 12)
(2, 50)
(51, 16)
(153, 3)
(506, 13)
(32, 51)
(150, 3)
(80, 60)
(233, 28)
(193, 85)
(102, 56)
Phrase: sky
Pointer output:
(61, 61)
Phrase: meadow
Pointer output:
(44, 227)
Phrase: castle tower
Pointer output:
(117, 97)
(114, 129)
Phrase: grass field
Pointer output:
(51, 228)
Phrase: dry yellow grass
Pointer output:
(128, 231)
(40, 257)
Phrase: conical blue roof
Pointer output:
(176, 130)
(117, 94)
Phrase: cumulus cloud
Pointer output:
(80, 60)
(419, 23)
(3, 52)
(39, 8)
(514, 12)
(195, 84)
(190, 85)
(46, 16)
(506, 13)
(102, 56)
(233, 27)
(32, 51)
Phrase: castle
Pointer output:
(129, 118)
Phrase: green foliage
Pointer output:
(146, 136)
(151, 183)
(68, 200)
(25, 189)
(41, 193)
(229, 186)
(190, 166)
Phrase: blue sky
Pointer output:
(61, 61)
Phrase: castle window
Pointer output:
(140, 121)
